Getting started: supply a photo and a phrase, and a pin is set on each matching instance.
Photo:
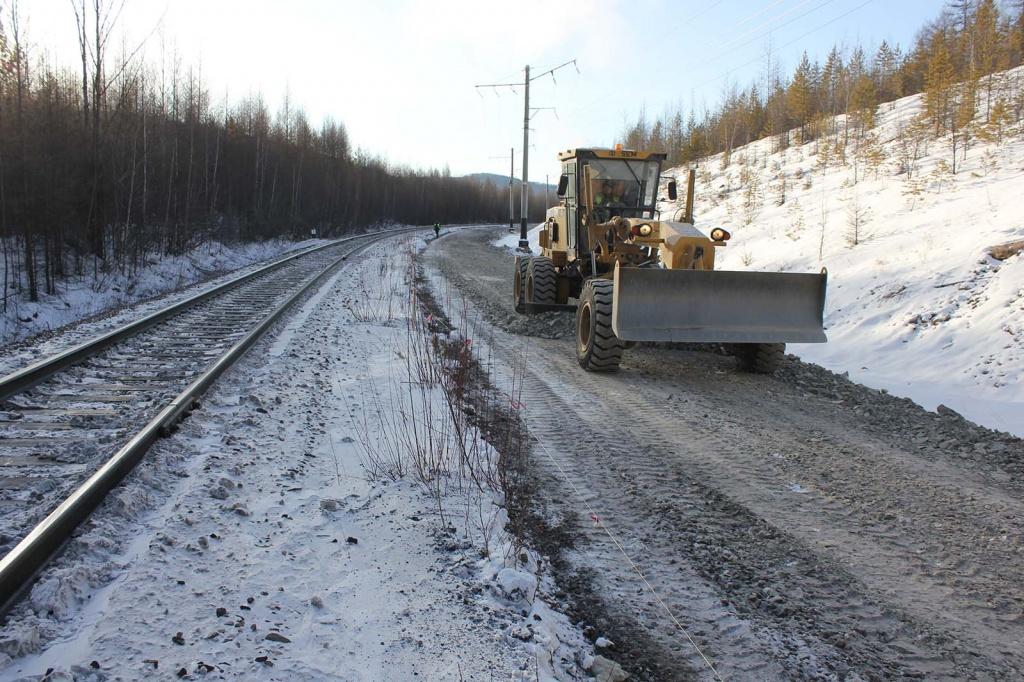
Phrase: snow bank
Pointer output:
(916, 306)
(511, 240)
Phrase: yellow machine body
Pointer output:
(666, 287)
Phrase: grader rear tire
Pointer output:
(760, 358)
(597, 347)
(541, 281)
(519, 283)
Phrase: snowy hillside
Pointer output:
(916, 304)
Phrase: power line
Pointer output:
(759, 13)
(524, 243)
(689, 22)
(732, 45)
(530, 79)
(785, 45)
(511, 179)
(745, 19)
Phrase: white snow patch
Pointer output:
(252, 544)
(511, 240)
(79, 297)
(917, 307)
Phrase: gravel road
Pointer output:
(796, 526)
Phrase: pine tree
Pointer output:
(1017, 34)
(963, 119)
(986, 45)
(829, 87)
(799, 104)
(961, 13)
(863, 103)
(885, 65)
(939, 83)
(854, 71)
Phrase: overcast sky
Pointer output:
(401, 74)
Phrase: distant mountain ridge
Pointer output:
(502, 181)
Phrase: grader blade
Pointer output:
(709, 306)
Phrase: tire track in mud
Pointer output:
(793, 538)
(807, 616)
(940, 512)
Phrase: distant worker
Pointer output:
(437, 230)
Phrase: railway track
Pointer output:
(73, 425)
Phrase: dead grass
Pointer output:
(439, 420)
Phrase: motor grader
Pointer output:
(636, 277)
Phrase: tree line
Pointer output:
(119, 160)
(952, 61)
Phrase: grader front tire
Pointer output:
(541, 281)
(597, 347)
(519, 283)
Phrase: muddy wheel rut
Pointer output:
(790, 534)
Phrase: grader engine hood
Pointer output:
(684, 247)
(718, 306)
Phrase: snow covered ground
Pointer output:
(78, 328)
(511, 240)
(273, 536)
(81, 297)
(917, 306)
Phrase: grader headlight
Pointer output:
(719, 235)
(643, 230)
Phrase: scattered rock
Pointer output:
(351, 540)
(517, 584)
(1004, 251)
(277, 637)
(329, 505)
(221, 611)
(239, 509)
(179, 639)
(606, 670)
(521, 632)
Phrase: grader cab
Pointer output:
(635, 277)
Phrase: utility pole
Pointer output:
(511, 198)
(524, 242)
(511, 187)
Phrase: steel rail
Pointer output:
(20, 566)
(27, 377)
